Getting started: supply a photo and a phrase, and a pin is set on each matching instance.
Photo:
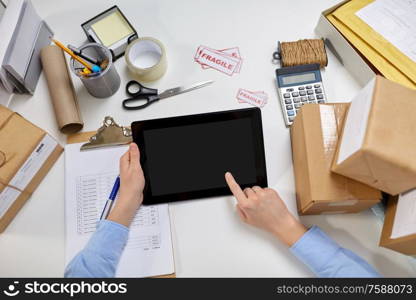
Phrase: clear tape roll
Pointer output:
(146, 59)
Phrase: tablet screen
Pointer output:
(187, 157)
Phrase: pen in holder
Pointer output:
(104, 83)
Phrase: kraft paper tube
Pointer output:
(61, 90)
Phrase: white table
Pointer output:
(209, 239)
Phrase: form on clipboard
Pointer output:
(89, 176)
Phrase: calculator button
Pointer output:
(297, 105)
(304, 99)
(317, 86)
(320, 96)
(303, 93)
(318, 91)
(311, 98)
(288, 101)
(295, 94)
(296, 100)
(289, 90)
(290, 113)
(321, 101)
(310, 92)
(286, 95)
(289, 107)
(301, 88)
(308, 87)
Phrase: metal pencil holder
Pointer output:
(103, 84)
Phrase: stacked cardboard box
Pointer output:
(314, 135)
(343, 156)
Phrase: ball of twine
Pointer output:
(302, 52)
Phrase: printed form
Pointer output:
(89, 178)
(395, 21)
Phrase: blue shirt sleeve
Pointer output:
(101, 255)
(327, 259)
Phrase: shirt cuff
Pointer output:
(110, 238)
(314, 248)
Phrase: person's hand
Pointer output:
(131, 187)
(264, 209)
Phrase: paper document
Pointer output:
(395, 21)
(405, 218)
(89, 178)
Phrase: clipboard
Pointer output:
(109, 134)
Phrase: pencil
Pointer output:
(92, 68)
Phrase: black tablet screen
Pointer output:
(184, 160)
(194, 157)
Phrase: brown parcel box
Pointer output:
(378, 144)
(314, 135)
(26, 155)
(400, 213)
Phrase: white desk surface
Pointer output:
(208, 238)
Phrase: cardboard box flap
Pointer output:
(300, 161)
(405, 244)
(389, 129)
(349, 168)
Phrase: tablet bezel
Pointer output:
(254, 114)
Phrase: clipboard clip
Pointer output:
(109, 134)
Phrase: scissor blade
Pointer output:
(183, 89)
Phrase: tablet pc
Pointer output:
(186, 157)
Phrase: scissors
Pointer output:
(143, 96)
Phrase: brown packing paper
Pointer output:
(18, 140)
(61, 90)
(314, 136)
(16, 152)
(405, 244)
(386, 160)
(33, 184)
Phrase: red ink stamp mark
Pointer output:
(227, 61)
(258, 98)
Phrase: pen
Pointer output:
(83, 55)
(110, 200)
(93, 68)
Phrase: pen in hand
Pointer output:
(110, 200)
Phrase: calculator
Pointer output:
(299, 85)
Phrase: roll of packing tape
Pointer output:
(146, 59)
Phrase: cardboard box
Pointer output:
(26, 155)
(399, 229)
(378, 144)
(314, 135)
(349, 57)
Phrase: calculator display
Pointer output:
(299, 78)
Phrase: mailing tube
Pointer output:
(61, 90)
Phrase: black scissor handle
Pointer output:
(141, 95)
(145, 100)
(134, 88)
